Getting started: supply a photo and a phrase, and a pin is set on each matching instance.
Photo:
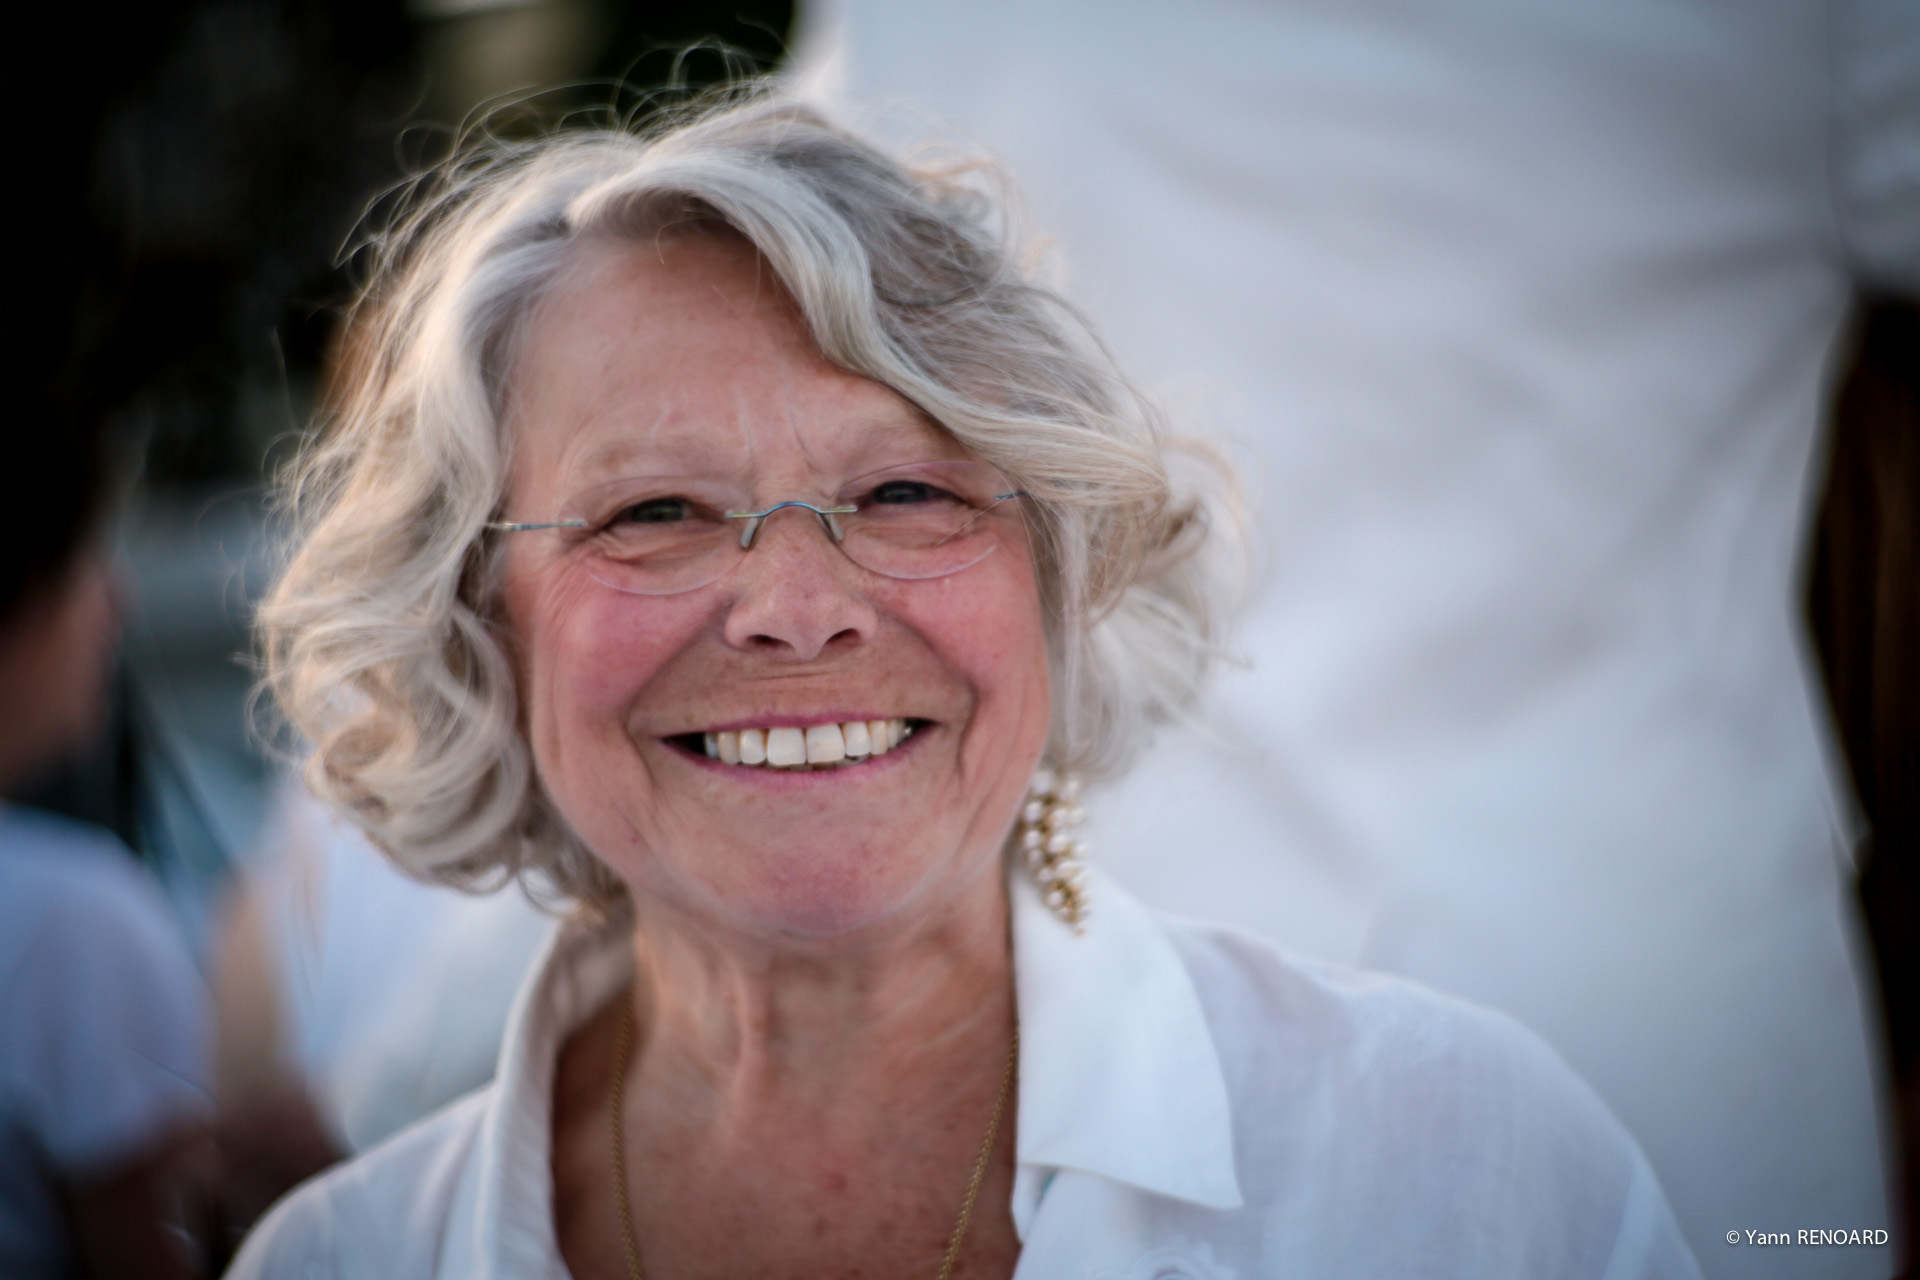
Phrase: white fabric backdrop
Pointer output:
(1523, 311)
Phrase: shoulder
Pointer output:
(81, 921)
(53, 864)
(73, 891)
(389, 1213)
(82, 926)
(1340, 1025)
(1464, 1128)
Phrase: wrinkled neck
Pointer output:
(824, 1024)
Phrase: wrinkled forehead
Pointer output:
(681, 353)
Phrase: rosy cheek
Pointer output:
(985, 624)
(991, 611)
(586, 651)
(613, 646)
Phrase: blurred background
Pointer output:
(218, 156)
(206, 163)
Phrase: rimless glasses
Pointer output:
(664, 535)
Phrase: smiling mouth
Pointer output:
(793, 750)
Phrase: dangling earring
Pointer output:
(1051, 853)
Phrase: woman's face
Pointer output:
(684, 357)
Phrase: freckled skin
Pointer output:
(826, 995)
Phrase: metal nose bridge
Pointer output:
(754, 520)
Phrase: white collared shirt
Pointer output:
(1191, 1105)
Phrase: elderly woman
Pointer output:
(720, 529)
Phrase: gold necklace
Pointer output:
(622, 1056)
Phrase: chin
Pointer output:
(833, 898)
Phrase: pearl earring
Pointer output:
(1051, 853)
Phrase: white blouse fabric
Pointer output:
(1191, 1104)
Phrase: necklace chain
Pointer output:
(622, 1057)
(980, 1165)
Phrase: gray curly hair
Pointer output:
(380, 637)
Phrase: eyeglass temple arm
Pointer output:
(516, 526)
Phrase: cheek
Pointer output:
(584, 654)
(986, 624)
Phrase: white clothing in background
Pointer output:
(1191, 1104)
(103, 1028)
(1522, 313)
(395, 992)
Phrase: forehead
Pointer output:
(684, 355)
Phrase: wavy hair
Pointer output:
(380, 639)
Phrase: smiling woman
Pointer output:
(908, 287)
(718, 528)
(681, 355)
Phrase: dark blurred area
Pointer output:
(1863, 602)
(206, 184)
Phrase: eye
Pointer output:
(906, 493)
(655, 511)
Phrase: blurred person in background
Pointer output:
(1525, 314)
(200, 165)
(182, 216)
(103, 1017)
(215, 154)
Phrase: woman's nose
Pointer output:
(796, 596)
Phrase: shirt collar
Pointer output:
(1118, 1072)
(582, 966)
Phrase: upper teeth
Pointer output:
(820, 745)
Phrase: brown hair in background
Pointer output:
(1863, 602)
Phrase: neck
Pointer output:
(732, 1025)
(778, 1084)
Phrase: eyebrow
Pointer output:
(695, 453)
